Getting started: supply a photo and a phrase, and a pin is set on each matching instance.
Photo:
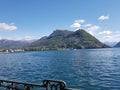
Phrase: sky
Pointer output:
(33, 19)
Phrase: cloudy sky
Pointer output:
(33, 19)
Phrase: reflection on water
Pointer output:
(88, 69)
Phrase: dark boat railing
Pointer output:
(46, 85)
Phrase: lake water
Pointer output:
(85, 69)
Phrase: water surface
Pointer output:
(86, 69)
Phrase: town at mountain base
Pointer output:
(64, 39)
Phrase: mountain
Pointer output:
(62, 33)
(112, 44)
(117, 45)
(64, 39)
(7, 44)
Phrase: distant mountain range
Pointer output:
(10, 44)
(64, 39)
(117, 45)
(59, 39)
(111, 44)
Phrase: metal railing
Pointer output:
(46, 85)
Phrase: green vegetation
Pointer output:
(63, 39)
(58, 40)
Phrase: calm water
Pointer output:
(93, 69)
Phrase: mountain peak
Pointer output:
(59, 32)
(64, 39)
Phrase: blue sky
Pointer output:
(33, 19)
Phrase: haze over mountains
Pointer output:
(117, 45)
(111, 44)
(59, 39)
(8, 44)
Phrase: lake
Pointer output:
(85, 69)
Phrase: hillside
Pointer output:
(64, 39)
(117, 45)
(7, 44)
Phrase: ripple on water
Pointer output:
(93, 69)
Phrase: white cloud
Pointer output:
(106, 32)
(79, 21)
(91, 32)
(7, 27)
(77, 24)
(93, 29)
(28, 38)
(111, 38)
(103, 18)
(87, 25)
(23, 38)
(18, 38)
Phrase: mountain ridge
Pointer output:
(10, 44)
(58, 39)
(64, 39)
(117, 45)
